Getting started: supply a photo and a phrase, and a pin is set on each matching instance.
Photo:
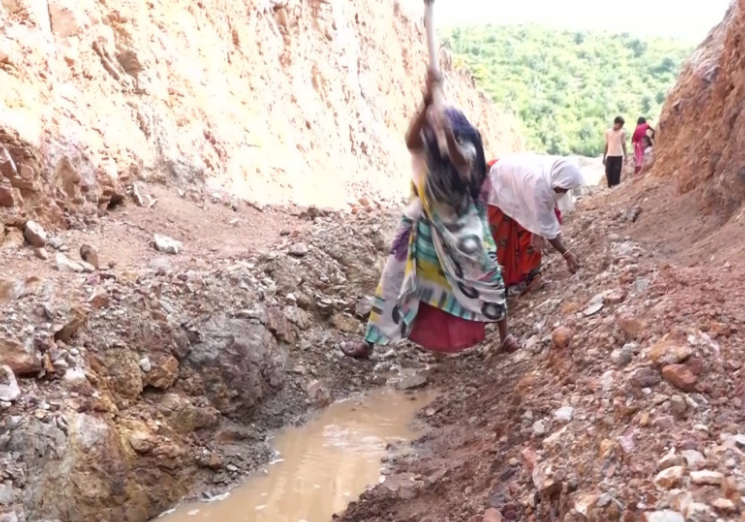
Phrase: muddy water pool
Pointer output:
(321, 466)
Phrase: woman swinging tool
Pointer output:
(441, 283)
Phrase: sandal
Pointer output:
(359, 350)
(509, 345)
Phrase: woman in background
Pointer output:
(441, 283)
(648, 159)
(637, 140)
(522, 193)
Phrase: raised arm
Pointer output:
(414, 134)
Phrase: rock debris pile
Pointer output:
(624, 404)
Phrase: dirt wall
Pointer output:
(274, 101)
(702, 130)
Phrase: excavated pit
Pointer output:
(319, 467)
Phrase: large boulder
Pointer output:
(238, 362)
(102, 470)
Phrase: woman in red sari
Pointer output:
(522, 193)
(637, 140)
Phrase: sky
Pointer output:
(687, 19)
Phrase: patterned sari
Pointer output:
(441, 283)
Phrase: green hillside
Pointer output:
(566, 87)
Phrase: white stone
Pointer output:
(539, 427)
(145, 364)
(694, 459)
(706, 477)
(73, 375)
(299, 249)
(9, 390)
(664, 516)
(594, 306)
(166, 244)
(35, 234)
(65, 264)
(564, 414)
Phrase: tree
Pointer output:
(566, 87)
(639, 47)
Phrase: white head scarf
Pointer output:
(522, 186)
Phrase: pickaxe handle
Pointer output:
(438, 98)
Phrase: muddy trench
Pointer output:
(319, 467)
(135, 386)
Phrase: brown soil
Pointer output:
(498, 438)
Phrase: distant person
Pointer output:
(637, 140)
(522, 193)
(647, 158)
(615, 152)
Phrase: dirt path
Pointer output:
(208, 227)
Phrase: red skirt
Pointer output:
(440, 331)
(520, 261)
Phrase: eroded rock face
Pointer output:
(238, 363)
(313, 100)
(43, 177)
(95, 476)
(701, 126)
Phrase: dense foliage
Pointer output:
(566, 87)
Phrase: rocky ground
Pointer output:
(151, 337)
(625, 402)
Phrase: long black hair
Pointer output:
(445, 184)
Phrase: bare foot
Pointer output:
(359, 350)
(509, 345)
(538, 283)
